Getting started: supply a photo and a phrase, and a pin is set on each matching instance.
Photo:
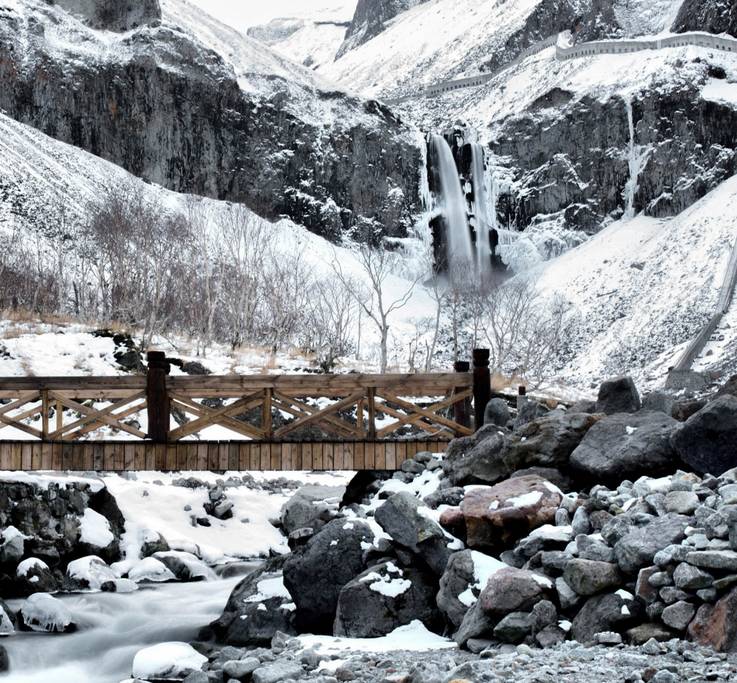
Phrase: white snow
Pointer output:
(42, 612)
(524, 500)
(150, 570)
(25, 567)
(720, 91)
(6, 626)
(414, 638)
(484, 567)
(271, 587)
(167, 661)
(551, 532)
(197, 568)
(387, 585)
(95, 529)
(91, 569)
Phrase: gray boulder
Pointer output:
(514, 628)
(588, 577)
(278, 671)
(638, 546)
(256, 609)
(383, 598)
(310, 507)
(476, 459)
(497, 413)
(458, 576)
(626, 446)
(707, 442)
(400, 517)
(315, 573)
(601, 613)
(618, 395)
(527, 411)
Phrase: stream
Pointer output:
(111, 629)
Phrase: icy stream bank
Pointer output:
(112, 628)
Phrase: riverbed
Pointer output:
(112, 627)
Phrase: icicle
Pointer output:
(637, 155)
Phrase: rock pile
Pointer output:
(598, 524)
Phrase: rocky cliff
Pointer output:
(111, 15)
(370, 19)
(714, 16)
(159, 103)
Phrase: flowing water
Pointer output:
(452, 204)
(112, 628)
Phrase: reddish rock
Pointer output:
(454, 522)
(715, 625)
(497, 516)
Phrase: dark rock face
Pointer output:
(551, 150)
(603, 613)
(315, 574)
(458, 576)
(625, 446)
(172, 113)
(637, 548)
(383, 598)
(476, 459)
(113, 15)
(712, 16)
(618, 395)
(370, 18)
(707, 441)
(715, 625)
(243, 623)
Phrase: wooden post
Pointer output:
(371, 394)
(462, 409)
(266, 422)
(481, 385)
(158, 404)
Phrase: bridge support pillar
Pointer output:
(481, 385)
(158, 405)
(462, 409)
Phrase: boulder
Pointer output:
(496, 516)
(167, 662)
(152, 542)
(477, 459)
(7, 620)
(497, 413)
(12, 547)
(618, 395)
(707, 441)
(715, 626)
(185, 566)
(547, 441)
(588, 577)
(513, 590)
(315, 573)
(88, 573)
(514, 628)
(528, 410)
(311, 506)
(626, 446)
(276, 672)
(43, 613)
(638, 546)
(34, 576)
(678, 615)
(602, 613)
(401, 518)
(258, 608)
(383, 598)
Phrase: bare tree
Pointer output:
(373, 296)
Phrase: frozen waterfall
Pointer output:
(452, 205)
(481, 201)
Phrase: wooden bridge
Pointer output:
(252, 422)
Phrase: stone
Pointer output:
(278, 671)
(244, 623)
(544, 614)
(618, 395)
(678, 615)
(606, 612)
(477, 459)
(114, 16)
(528, 410)
(626, 446)
(311, 506)
(241, 669)
(497, 516)
(383, 598)
(707, 441)
(514, 627)
(567, 597)
(609, 638)
(400, 517)
(316, 572)
(412, 467)
(650, 635)
(497, 413)
(690, 578)
(458, 576)
(723, 560)
(681, 502)
(715, 626)
(589, 548)
(451, 496)
(550, 636)
(588, 577)
(644, 589)
(637, 548)
(513, 590)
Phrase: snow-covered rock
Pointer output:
(151, 570)
(167, 661)
(42, 612)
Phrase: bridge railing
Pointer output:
(166, 409)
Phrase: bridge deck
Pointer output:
(128, 456)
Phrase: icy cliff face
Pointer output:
(113, 15)
(159, 102)
(714, 16)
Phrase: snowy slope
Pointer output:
(642, 288)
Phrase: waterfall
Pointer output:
(636, 156)
(483, 223)
(452, 205)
